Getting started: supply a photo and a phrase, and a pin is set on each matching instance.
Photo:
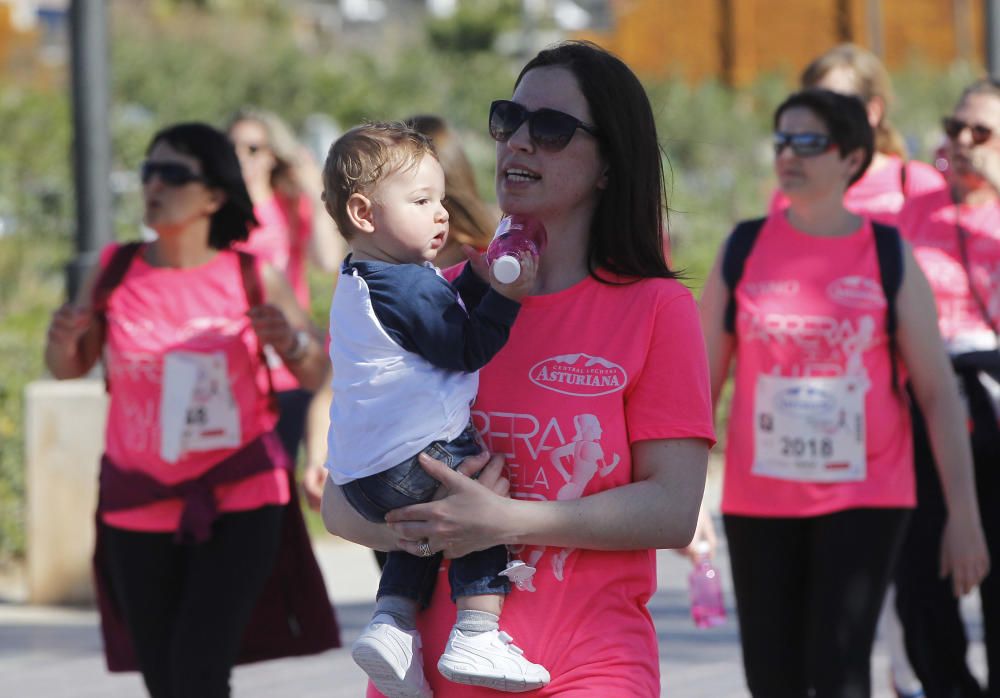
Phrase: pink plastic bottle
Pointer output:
(515, 235)
(707, 607)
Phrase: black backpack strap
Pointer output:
(112, 275)
(902, 178)
(889, 248)
(107, 281)
(738, 248)
(251, 280)
(255, 297)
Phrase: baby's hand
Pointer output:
(477, 260)
(524, 284)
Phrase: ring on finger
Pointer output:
(425, 548)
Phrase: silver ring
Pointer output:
(425, 549)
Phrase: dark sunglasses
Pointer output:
(250, 148)
(170, 173)
(805, 145)
(549, 129)
(953, 129)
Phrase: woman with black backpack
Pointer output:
(824, 315)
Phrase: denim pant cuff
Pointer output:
(481, 587)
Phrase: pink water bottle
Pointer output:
(707, 607)
(515, 235)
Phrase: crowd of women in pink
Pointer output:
(859, 320)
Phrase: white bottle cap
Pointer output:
(506, 269)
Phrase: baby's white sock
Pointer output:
(476, 622)
(402, 610)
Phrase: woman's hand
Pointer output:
(985, 159)
(963, 553)
(313, 482)
(704, 533)
(73, 342)
(68, 324)
(272, 327)
(467, 513)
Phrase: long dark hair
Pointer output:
(221, 169)
(628, 227)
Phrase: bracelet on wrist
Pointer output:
(300, 347)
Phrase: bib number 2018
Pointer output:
(798, 447)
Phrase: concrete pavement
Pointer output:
(56, 652)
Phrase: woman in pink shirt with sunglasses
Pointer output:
(891, 178)
(195, 502)
(955, 234)
(819, 468)
(604, 364)
(284, 185)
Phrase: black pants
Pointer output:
(933, 629)
(808, 595)
(293, 406)
(186, 606)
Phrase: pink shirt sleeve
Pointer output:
(672, 397)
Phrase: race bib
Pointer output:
(197, 410)
(810, 429)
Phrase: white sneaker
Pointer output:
(392, 659)
(490, 659)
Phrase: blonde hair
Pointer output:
(363, 157)
(871, 80)
(281, 140)
(471, 221)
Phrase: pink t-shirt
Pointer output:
(185, 330)
(929, 223)
(879, 194)
(282, 240)
(586, 373)
(813, 307)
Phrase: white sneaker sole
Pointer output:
(498, 682)
(382, 674)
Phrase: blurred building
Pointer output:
(33, 38)
(737, 40)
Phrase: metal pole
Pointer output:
(993, 37)
(91, 138)
(876, 34)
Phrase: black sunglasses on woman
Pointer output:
(550, 129)
(172, 174)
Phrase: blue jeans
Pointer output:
(408, 483)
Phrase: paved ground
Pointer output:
(56, 652)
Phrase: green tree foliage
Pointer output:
(475, 26)
(203, 59)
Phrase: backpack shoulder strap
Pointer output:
(112, 275)
(107, 281)
(738, 248)
(889, 248)
(902, 178)
(251, 279)
(255, 297)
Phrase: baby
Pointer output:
(406, 346)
